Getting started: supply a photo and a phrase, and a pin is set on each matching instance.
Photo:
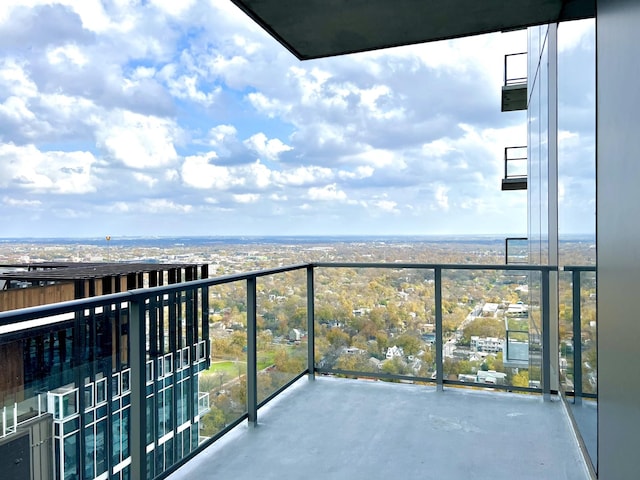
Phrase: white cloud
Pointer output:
(441, 197)
(172, 7)
(268, 106)
(21, 203)
(246, 198)
(148, 180)
(138, 141)
(53, 172)
(67, 54)
(378, 158)
(163, 205)
(386, 205)
(266, 148)
(305, 175)
(15, 80)
(199, 172)
(258, 173)
(326, 193)
(186, 87)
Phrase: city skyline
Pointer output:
(132, 118)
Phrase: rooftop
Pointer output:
(58, 271)
(338, 428)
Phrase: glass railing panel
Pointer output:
(281, 330)
(578, 351)
(588, 331)
(515, 159)
(515, 69)
(375, 321)
(176, 322)
(487, 334)
(565, 331)
(586, 326)
(224, 380)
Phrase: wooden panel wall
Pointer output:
(35, 296)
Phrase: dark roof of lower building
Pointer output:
(59, 271)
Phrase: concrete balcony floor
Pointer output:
(344, 429)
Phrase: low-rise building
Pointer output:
(486, 344)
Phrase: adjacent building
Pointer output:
(66, 387)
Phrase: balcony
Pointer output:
(514, 90)
(341, 428)
(207, 360)
(515, 168)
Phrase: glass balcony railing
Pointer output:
(514, 89)
(190, 361)
(203, 403)
(516, 250)
(515, 168)
(578, 351)
(515, 69)
(578, 332)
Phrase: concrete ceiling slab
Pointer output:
(323, 28)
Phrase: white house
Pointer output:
(394, 352)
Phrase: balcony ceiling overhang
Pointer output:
(322, 28)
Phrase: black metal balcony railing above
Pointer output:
(514, 90)
(515, 168)
(166, 344)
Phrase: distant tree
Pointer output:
(338, 338)
(287, 360)
(521, 379)
(410, 344)
(396, 366)
(358, 362)
(483, 327)
(212, 422)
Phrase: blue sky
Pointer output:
(157, 117)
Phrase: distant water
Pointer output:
(192, 241)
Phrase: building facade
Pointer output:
(68, 385)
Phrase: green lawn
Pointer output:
(228, 368)
(231, 369)
(265, 359)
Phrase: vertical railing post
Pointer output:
(506, 250)
(311, 337)
(138, 356)
(546, 337)
(506, 170)
(577, 339)
(252, 356)
(505, 70)
(439, 346)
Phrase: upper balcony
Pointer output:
(515, 168)
(197, 361)
(514, 89)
